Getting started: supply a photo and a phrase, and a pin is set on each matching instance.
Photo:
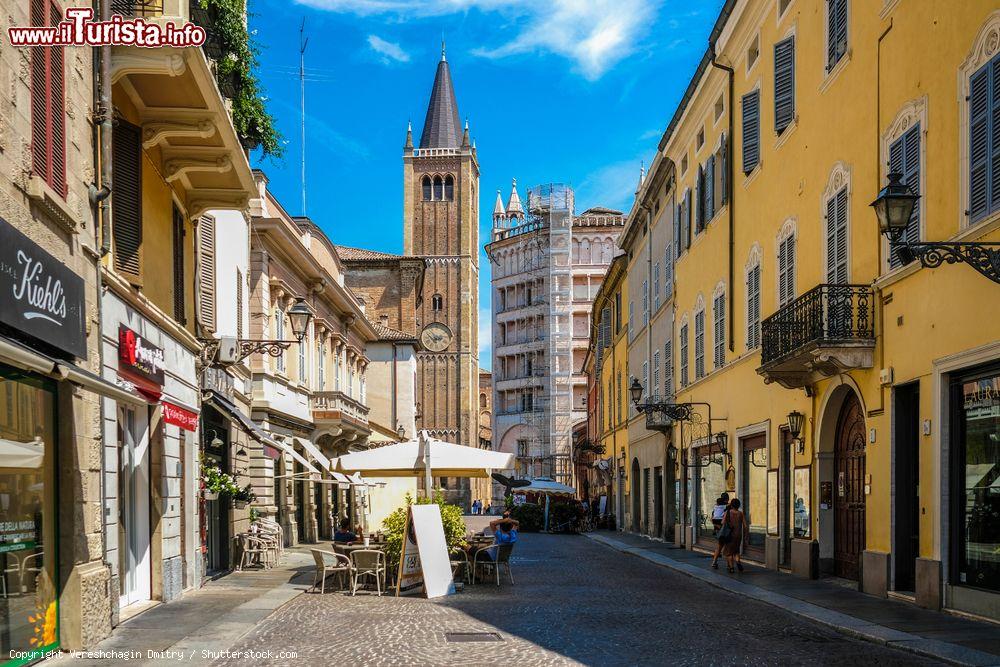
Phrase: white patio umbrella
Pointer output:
(426, 457)
(15, 454)
(547, 487)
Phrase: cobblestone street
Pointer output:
(575, 602)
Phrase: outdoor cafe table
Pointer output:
(346, 549)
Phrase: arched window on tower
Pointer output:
(438, 188)
(449, 188)
(427, 188)
(437, 303)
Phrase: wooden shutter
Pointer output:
(784, 84)
(668, 270)
(126, 201)
(668, 368)
(686, 222)
(723, 170)
(48, 124)
(206, 274)
(699, 223)
(836, 238)
(979, 143)
(753, 307)
(719, 339)
(790, 269)
(699, 344)
(904, 159)
(710, 188)
(751, 130)
(995, 135)
(683, 336)
(677, 227)
(836, 31)
(180, 303)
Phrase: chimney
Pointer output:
(383, 320)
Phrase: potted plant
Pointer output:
(216, 482)
(243, 496)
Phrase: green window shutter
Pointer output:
(751, 130)
(904, 159)
(836, 238)
(979, 143)
(836, 31)
(180, 303)
(206, 274)
(126, 200)
(784, 84)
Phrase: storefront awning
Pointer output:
(341, 479)
(22, 356)
(310, 448)
(229, 409)
(275, 441)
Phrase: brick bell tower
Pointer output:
(441, 225)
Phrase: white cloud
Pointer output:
(388, 50)
(593, 34)
(612, 185)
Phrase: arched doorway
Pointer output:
(636, 496)
(849, 502)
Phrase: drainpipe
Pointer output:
(101, 69)
(730, 190)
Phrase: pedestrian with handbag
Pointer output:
(721, 505)
(735, 531)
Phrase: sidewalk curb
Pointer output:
(848, 625)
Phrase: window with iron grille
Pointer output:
(699, 345)
(684, 354)
(48, 115)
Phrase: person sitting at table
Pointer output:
(344, 532)
(505, 529)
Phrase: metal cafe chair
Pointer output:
(493, 556)
(459, 559)
(368, 563)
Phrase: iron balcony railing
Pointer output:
(137, 7)
(825, 315)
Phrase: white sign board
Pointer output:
(424, 563)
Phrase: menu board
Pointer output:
(424, 566)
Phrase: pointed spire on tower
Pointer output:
(465, 135)
(642, 176)
(514, 209)
(409, 135)
(442, 128)
(499, 213)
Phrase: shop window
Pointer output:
(28, 514)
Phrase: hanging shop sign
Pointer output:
(178, 416)
(39, 295)
(139, 357)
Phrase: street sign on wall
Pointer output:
(39, 295)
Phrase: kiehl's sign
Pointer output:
(39, 296)
(138, 357)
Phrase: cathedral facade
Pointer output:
(441, 226)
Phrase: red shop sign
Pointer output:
(178, 416)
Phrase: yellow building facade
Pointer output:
(847, 398)
(609, 343)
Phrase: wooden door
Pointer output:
(849, 502)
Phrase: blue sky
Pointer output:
(571, 91)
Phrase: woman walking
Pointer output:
(721, 505)
(735, 521)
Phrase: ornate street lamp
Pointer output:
(401, 432)
(894, 207)
(795, 421)
(240, 348)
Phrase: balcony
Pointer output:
(828, 330)
(338, 414)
